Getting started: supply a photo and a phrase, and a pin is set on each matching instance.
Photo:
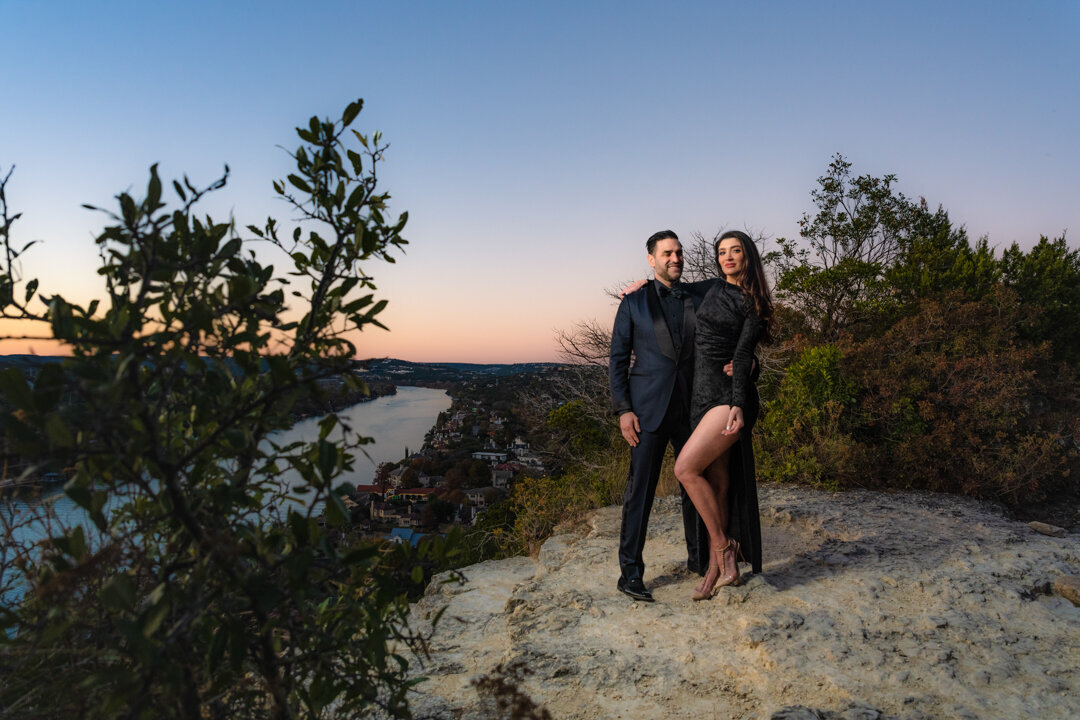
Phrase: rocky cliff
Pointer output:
(871, 605)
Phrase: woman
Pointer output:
(716, 466)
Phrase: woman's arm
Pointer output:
(744, 358)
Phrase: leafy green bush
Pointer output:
(206, 591)
(574, 422)
(803, 434)
(541, 504)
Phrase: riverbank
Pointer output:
(337, 397)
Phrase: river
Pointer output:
(396, 422)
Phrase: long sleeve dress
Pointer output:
(728, 330)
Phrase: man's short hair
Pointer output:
(650, 244)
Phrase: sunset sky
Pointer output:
(536, 145)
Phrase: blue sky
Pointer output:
(536, 145)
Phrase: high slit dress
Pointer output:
(728, 330)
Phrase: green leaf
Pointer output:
(356, 197)
(127, 208)
(58, 431)
(153, 618)
(357, 161)
(49, 387)
(79, 495)
(15, 389)
(77, 543)
(300, 528)
(417, 574)
(153, 191)
(351, 112)
(118, 593)
(328, 457)
(299, 183)
(327, 425)
(31, 288)
(336, 513)
(231, 248)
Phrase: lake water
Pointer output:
(396, 422)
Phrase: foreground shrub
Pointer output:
(542, 503)
(199, 587)
(803, 433)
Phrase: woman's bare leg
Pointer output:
(717, 476)
(705, 445)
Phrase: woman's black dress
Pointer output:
(727, 330)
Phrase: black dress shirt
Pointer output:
(671, 303)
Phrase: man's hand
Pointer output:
(633, 287)
(630, 427)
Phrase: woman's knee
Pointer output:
(685, 472)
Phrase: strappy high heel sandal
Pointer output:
(736, 551)
(714, 571)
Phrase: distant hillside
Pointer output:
(26, 361)
(404, 372)
(400, 372)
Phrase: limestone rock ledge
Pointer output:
(871, 605)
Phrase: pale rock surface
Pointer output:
(1068, 587)
(870, 606)
(1047, 529)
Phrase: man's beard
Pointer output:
(672, 277)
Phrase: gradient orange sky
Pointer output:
(536, 146)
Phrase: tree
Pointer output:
(859, 231)
(1048, 278)
(479, 474)
(382, 476)
(200, 589)
(699, 257)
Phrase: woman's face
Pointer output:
(731, 257)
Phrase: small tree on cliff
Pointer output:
(835, 277)
(206, 591)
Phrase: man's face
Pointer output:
(666, 260)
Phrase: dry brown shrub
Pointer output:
(952, 399)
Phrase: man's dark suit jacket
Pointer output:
(646, 386)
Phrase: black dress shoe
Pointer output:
(635, 589)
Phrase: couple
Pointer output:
(691, 384)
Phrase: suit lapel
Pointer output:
(663, 335)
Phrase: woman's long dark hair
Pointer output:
(751, 279)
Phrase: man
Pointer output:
(652, 400)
